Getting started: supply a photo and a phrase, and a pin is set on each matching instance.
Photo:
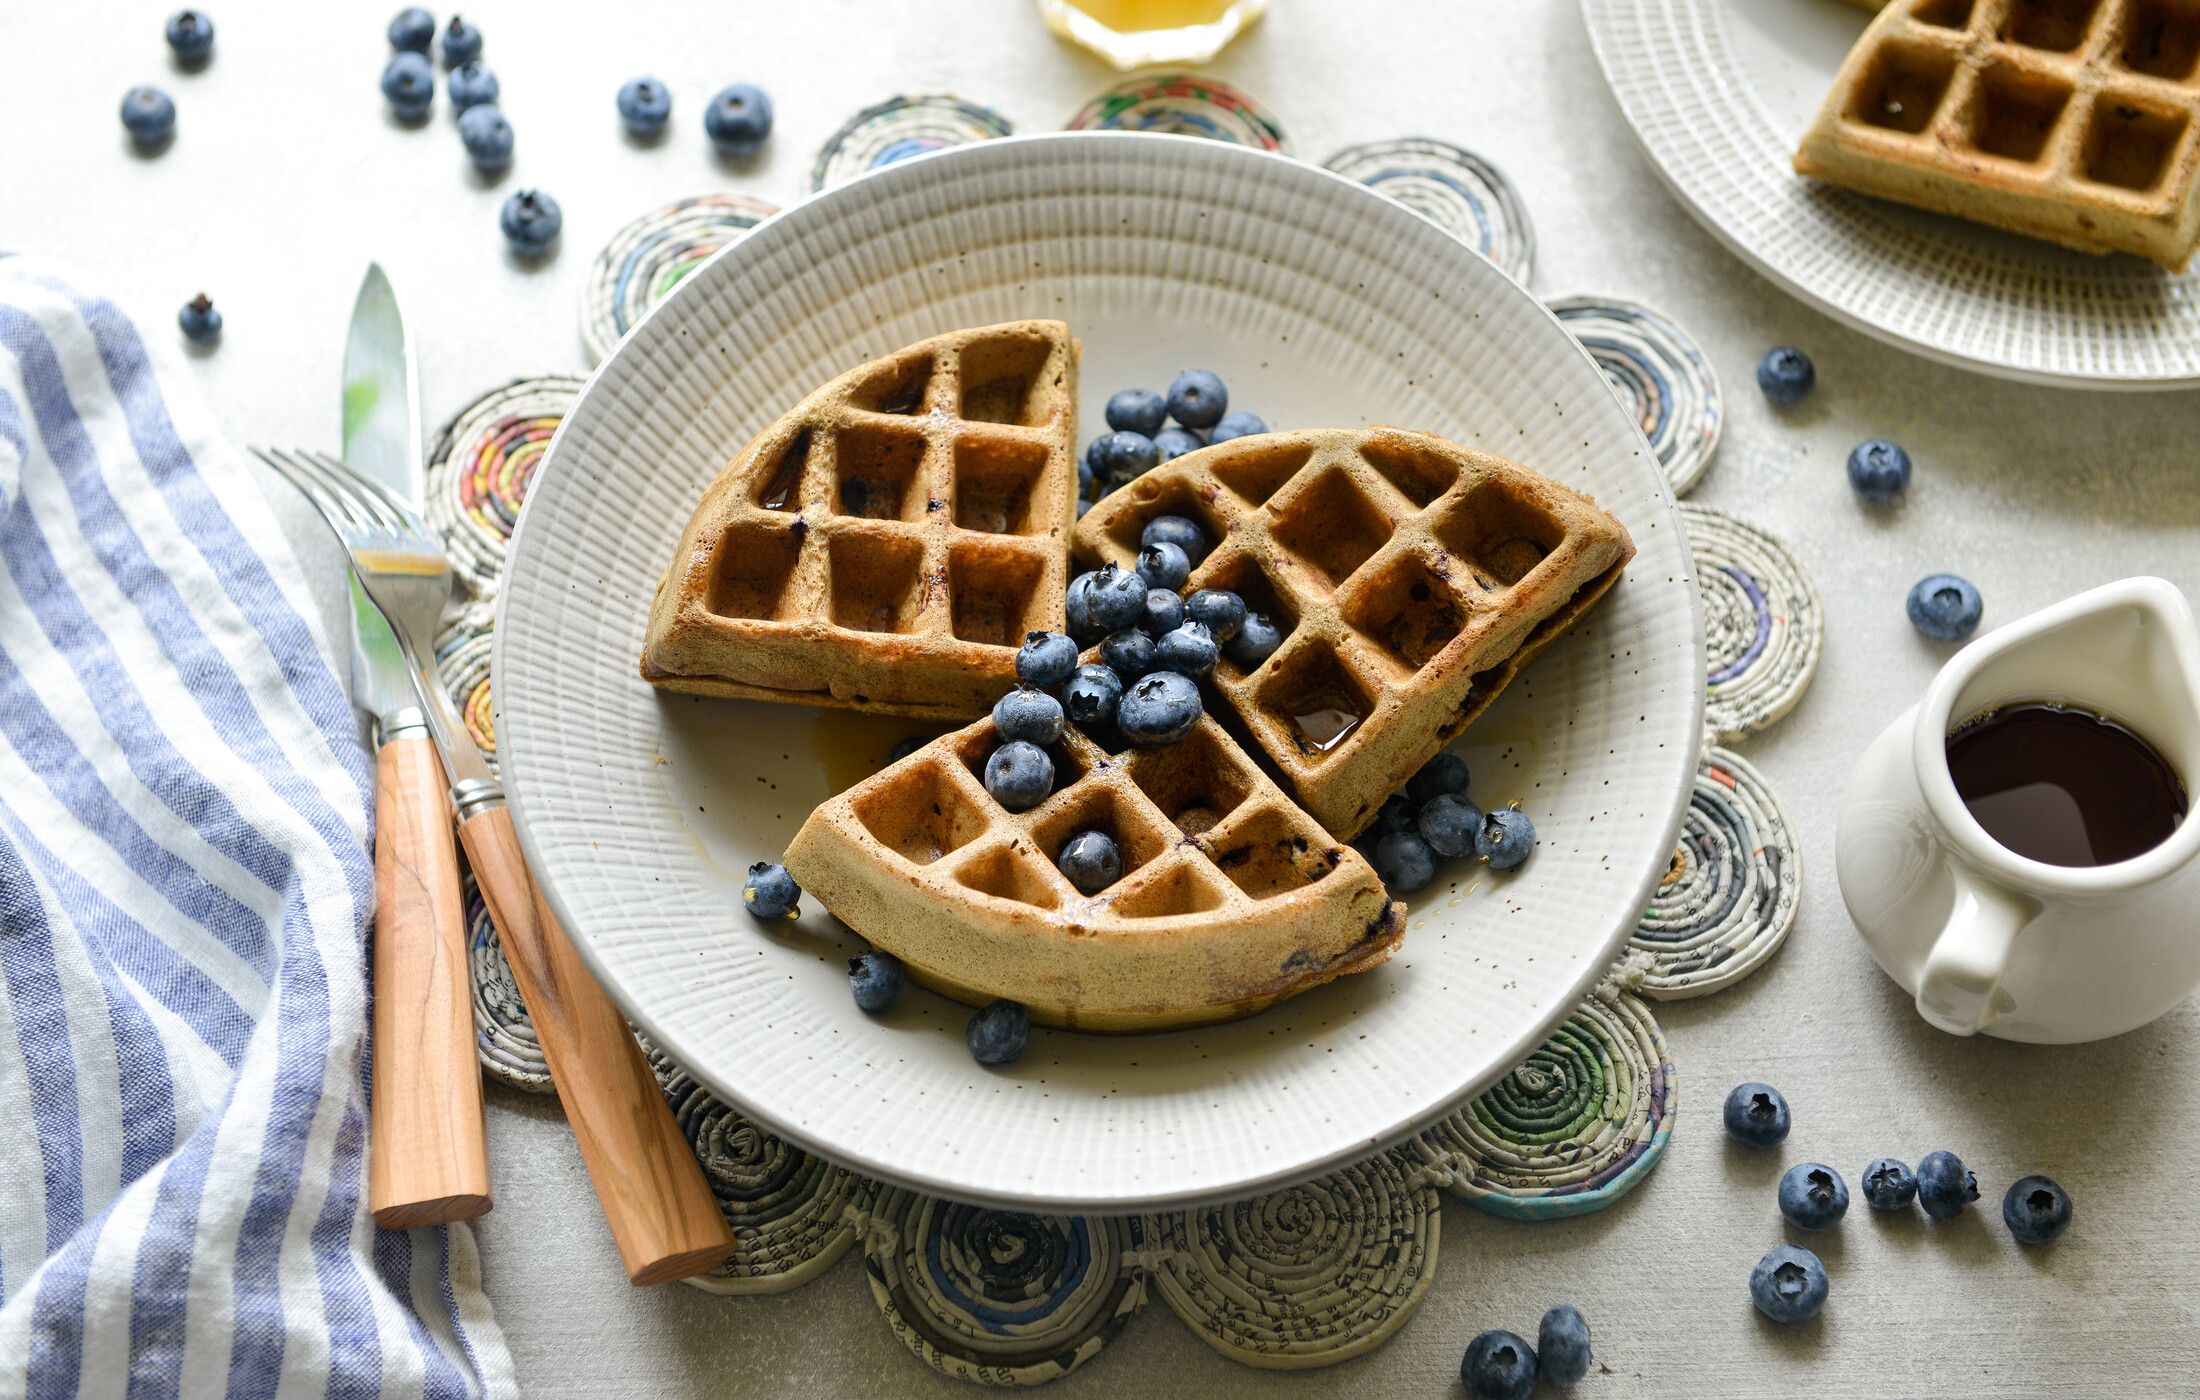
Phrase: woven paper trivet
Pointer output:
(462, 664)
(644, 261)
(504, 1039)
(898, 128)
(998, 1297)
(1575, 1127)
(1303, 1277)
(1728, 900)
(1762, 622)
(1451, 187)
(1659, 373)
(1182, 104)
(482, 465)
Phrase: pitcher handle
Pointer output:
(1964, 969)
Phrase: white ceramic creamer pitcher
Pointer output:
(1989, 940)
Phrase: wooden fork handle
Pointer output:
(428, 1163)
(661, 1211)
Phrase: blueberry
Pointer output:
(149, 114)
(1172, 443)
(461, 42)
(645, 105)
(1091, 697)
(1256, 640)
(1944, 1185)
(1498, 1366)
(1788, 1284)
(876, 980)
(1786, 374)
(1077, 610)
(200, 322)
(1889, 1184)
(1118, 458)
(487, 136)
(1237, 425)
(770, 892)
(1178, 530)
(1129, 652)
(1220, 612)
(1091, 861)
(1878, 470)
(413, 30)
(1083, 504)
(2036, 1210)
(1019, 775)
(1158, 709)
(1164, 565)
(1029, 715)
(1189, 650)
(905, 747)
(471, 84)
(1140, 411)
(1405, 862)
(1562, 1347)
(1945, 607)
(1085, 479)
(738, 119)
(1445, 774)
(409, 84)
(1505, 838)
(1197, 399)
(1115, 598)
(191, 36)
(1046, 659)
(1447, 822)
(998, 1033)
(1813, 1196)
(1164, 613)
(1757, 1116)
(530, 220)
(1396, 814)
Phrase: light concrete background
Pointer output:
(286, 176)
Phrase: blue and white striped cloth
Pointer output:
(185, 886)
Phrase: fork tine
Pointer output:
(397, 513)
(334, 487)
(330, 509)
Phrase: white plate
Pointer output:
(1321, 303)
(1720, 91)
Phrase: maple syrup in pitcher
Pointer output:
(2064, 786)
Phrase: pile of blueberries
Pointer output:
(1432, 819)
(1944, 607)
(1137, 440)
(1790, 1283)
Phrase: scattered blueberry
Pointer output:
(1256, 640)
(1220, 612)
(1445, 774)
(1562, 1347)
(1197, 399)
(487, 136)
(1091, 697)
(412, 29)
(1788, 1284)
(1019, 775)
(1158, 709)
(1447, 823)
(1505, 838)
(1115, 598)
(471, 84)
(149, 115)
(1945, 607)
(461, 42)
(409, 84)
(876, 980)
(1786, 374)
(191, 36)
(998, 1033)
(1813, 1196)
(1140, 411)
(1091, 861)
(1889, 1184)
(1164, 565)
(200, 322)
(1757, 1115)
(1046, 659)
(1397, 814)
(1172, 443)
(1129, 652)
(1944, 1185)
(530, 220)
(1178, 530)
(905, 747)
(1498, 1366)
(1164, 613)
(2036, 1210)
(1077, 609)
(1237, 425)
(1405, 862)
(738, 119)
(1878, 470)
(770, 892)
(645, 105)
(1029, 715)
(1188, 650)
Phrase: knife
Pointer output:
(428, 1160)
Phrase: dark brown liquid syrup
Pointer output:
(2064, 786)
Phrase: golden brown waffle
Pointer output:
(887, 544)
(2070, 120)
(1412, 577)
(1231, 899)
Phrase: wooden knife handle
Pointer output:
(428, 1161)
(662, 1214)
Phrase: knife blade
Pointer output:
(382, 390)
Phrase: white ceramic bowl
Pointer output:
(1321, 304)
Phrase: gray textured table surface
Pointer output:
(286, 177)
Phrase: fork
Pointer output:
(665, 1220)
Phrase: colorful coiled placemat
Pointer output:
(1659, 373)
(1451, 187)
(1183, 104)
(481, 466)
(898, 128)
(645, 260)
(1730, 897)
(1762, 620)
(504, 1039)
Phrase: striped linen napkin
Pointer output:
(185, 886)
